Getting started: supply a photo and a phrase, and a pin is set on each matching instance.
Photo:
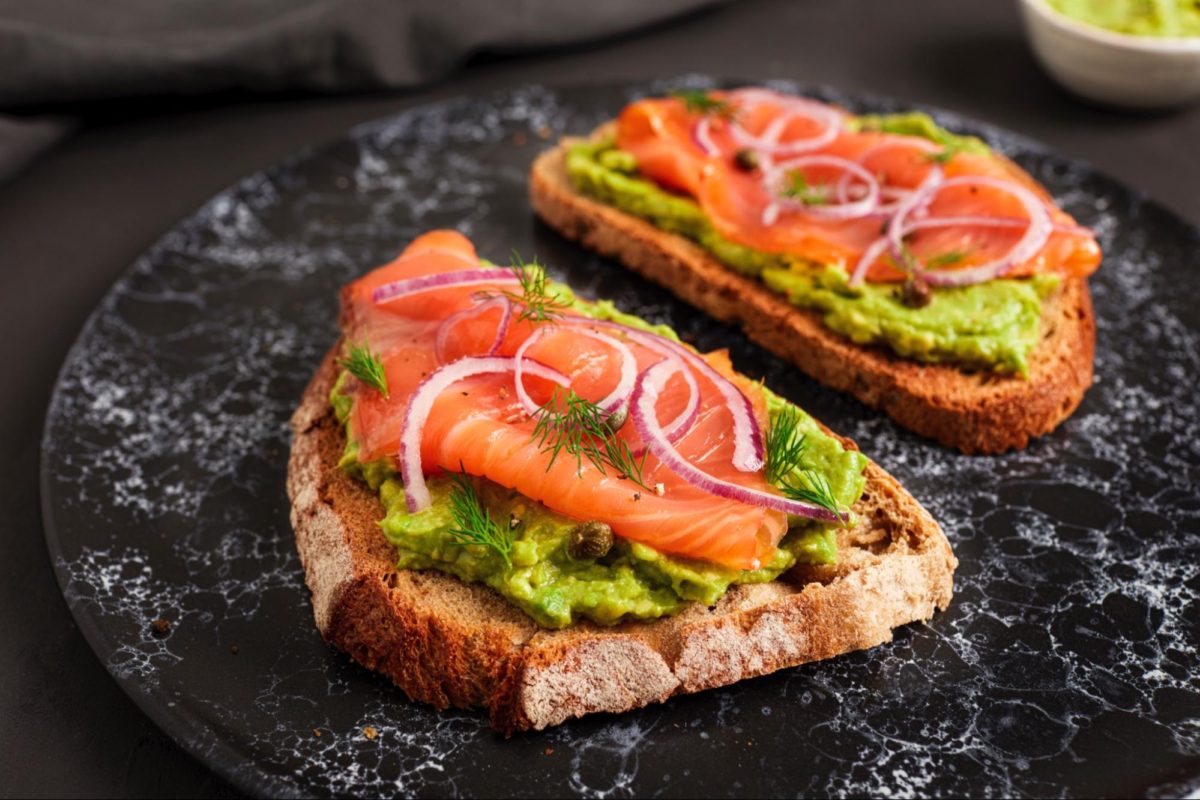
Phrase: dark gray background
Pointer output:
(77, 218)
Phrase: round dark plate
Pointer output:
(1066, 665)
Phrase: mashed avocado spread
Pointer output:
(993, 325)
(632, 581)
(1136, 17)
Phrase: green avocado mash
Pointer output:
(918, 123)
(1136, 17)
(993, 325)
(632, 581)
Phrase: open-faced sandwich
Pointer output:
(885, 256)
(507, 496)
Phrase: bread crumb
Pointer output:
(233, 649)
(370, 732)
(160, 628)
(316, 731)
(544, 132)
(549, 751)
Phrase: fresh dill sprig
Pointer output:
(784, 449)
(817, 491)
(580, 428)
(366, 366)
(800, 189)
(945, 259)
(473, 524)
(698, 101)
(912, 263)
(536, 303)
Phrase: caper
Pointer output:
(590, 540)
(746, 160)
(915, 293)
(616, 419)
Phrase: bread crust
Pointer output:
(446, 642)
(975, 412)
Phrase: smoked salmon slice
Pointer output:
(740, 163)
(480, 425)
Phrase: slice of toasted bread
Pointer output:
(447, 642)
(975, 412)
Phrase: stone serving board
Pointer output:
(1066, 666)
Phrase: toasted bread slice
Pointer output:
(975, 412)
(446, 642)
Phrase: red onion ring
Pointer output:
(747, 436)
(683, 421)
(443, 331)
(981, 221)
(770, 214)
(614, 402)
(869, 257)
(643, 411)
(768, 141)
(1036, 234)
(702, 136)
(848, 210)
(416, 493)
(877, 247)
(441, 280)
(918, 199)
(891, 192)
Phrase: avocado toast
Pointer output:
(449, 544)
(908, 266)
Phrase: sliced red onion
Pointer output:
(982, 221)
(444, 330)
(770, 214)
(1036, 234)
(747, 436)
(869, 257)
(702, 136)
(889, 192)
(614, 402)
(792, 107)
(442, 280)
(853, 209)
(416, 493)
(684, 420)
(643, 411)
(877, 247)
(917, 200)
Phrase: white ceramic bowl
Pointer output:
(1113, 68)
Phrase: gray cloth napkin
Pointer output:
(59, 51)
(64, 50)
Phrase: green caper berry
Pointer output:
(746, 160)
(590, 540)
(915, 293)
(616, 419)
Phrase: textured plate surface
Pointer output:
(1067, 664)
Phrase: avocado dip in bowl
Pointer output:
(1140, 54)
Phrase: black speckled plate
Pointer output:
(1067, 664)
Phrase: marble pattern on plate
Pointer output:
(1074, 629)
